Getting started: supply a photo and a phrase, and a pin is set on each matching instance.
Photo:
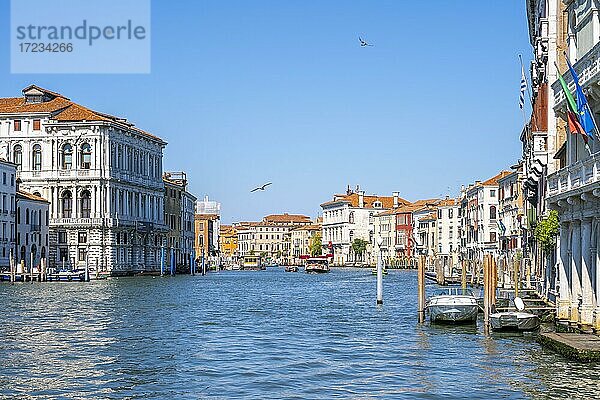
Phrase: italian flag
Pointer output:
(572, 120)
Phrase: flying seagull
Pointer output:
(263, 187)
(363, 43)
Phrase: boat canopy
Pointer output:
(452, 291)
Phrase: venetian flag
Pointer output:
(583, 111)
(523, 88)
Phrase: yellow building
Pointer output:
(206, 242)
(228, 241)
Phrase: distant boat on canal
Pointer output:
(316, 265)
(383, 270)
(291, 268)
(252, 263)
(453, 305)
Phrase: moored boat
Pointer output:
(453, 305)
(515, 320)
(316, 265)
(291, 268)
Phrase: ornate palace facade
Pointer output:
(101, 174)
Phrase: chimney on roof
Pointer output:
(395, 195)
(357, 189)
(348, 191)
(361, 198)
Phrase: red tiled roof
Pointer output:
(493, 181)
(62, 109)
(206, 216)
(312, 227)
(353, 198)
(412, 207)
(31, 196)
(286, 218)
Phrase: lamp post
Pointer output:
(379, 272)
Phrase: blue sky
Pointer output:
(247, 92)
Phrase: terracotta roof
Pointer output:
(448, 202)
(28, 88)
(493, 181)
(429, 217)
(31, 196)
(286, 218)
(62, 109)
(412, 207)
(353, 198)
(227, 229)
(206, 216)
(312, 227)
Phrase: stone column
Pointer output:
(75, 208)
(564, 264)
(596, 260)
(575, 270)
(587, 307)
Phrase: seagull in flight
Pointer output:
(363, 43)
(263, 187)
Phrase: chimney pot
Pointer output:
(361, 198)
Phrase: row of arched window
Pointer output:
(66, 156)
(85, 204)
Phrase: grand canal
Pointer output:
(269, 334)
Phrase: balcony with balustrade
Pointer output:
(588, 70)
(575, 180)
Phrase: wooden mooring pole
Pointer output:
(463, 277)
(12, 268)
(421, 288)
(494, 283)
(516, 279)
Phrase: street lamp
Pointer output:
(379, 271)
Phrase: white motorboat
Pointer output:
(515, 320)
(453, 305)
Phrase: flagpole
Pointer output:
(527, 86)
(528, 94)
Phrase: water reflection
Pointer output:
(261, 335)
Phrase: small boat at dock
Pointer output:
(453, 305)
(291, 268)
(515, 320)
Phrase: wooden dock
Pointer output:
(576, 346)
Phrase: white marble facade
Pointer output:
(101, 174)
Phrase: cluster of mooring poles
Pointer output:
(490, 281)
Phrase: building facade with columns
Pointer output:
(448, 235)
(351, 216)
(574, 190)
(479, 218)
(32, 240)
(8, 192)
(179, 209)
(100, 173)
(511, 218)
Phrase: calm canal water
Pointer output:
(269, 334)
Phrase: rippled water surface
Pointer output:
(267, 334)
